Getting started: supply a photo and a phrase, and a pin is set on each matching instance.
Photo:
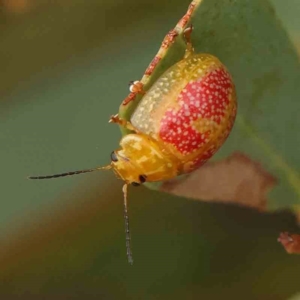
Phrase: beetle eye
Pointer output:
(135, 183)
(113, 156)
(142, 178)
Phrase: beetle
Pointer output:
(181, 121)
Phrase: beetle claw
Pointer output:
(136, 87)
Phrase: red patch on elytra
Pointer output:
(206, 98)
(199, 161)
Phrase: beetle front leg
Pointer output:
(189, 46)
(126, 124)
(136, 87)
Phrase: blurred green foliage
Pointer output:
(65, 70)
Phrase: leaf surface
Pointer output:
(249, 39)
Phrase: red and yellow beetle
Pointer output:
(181, 121)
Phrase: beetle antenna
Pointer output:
(70, 173)
(127, 232)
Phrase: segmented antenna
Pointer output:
(127, 232)
(70, 173)
(124, 189)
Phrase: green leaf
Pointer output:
(249, 39)
(168, 56)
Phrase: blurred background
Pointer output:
(64, 68)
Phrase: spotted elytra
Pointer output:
(181, 121)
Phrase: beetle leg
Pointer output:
(189, 46)
(136, 87)
(126, 124)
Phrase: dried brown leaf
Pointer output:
(237, 179)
